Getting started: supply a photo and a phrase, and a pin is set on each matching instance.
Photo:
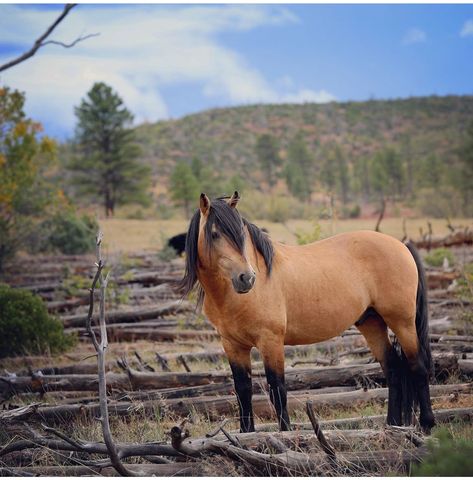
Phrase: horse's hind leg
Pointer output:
(240, 363)
(375, 331)
(272, 352)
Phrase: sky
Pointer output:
(167, 61)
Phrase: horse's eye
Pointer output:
(215, 235)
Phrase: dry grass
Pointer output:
(132, 235)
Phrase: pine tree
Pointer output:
(184, 186)
(267, 153)
(107, 167)
(299, 169)
(387, 172)
(465, 180)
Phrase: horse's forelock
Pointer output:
(228, 221)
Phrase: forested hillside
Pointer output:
(422, 136)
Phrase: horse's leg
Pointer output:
(375, 331)
(240, 363)
(272, 353)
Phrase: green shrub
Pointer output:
(65, 232)
(351, 212)
(165, 212)
(465, 283)
(167, 253)
(26, 327)
(305, 237)
(436, 257)
(447, 457)
(278, 209)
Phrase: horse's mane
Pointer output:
(231, 224)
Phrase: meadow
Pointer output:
(127, 235)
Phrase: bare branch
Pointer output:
(326, 447)
(70, 45)
(101, 351)
(182, 360)
(381, 215)
(40, 42)
(100, 348)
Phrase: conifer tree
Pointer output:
(107, 167)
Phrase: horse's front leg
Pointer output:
(240, 363)
(272, 352)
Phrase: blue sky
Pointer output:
(170, 60)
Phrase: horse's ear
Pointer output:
(234, 199)
(204, 203)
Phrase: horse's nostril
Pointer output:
(242, 277)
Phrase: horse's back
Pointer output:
(330, 283)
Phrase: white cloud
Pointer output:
(305, 96)
(467, 30)
(414, 35)
(139, 51)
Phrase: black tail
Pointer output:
(422, 316)
(415, 378)
(410, 382)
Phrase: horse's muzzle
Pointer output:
(244, 282)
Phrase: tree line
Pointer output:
(104, 166)
(389, 173)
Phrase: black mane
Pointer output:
(231, 224)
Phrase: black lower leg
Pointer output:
(244, 392)
(394, 380)
(278, 396)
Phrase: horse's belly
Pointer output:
(306, 325)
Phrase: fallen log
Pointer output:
(440, 279)
(466, 367)
(58, 306)
(452, 347)
(45, 383)
(163, 291)
(141, 324)
(438, 337)
(446, 415)
(131, 315)
(296, 379)
(149, 278)
(227, 405)
(180, 469)
(115, 381)
(159, 335)
(456, 238)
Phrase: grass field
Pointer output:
(132, 235)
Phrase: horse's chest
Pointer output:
(237, 327)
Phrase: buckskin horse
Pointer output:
(265, 294)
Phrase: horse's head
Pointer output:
(217, 245)
(221, 244)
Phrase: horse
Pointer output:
(265, 294)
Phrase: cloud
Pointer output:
(140, 51)
(306, 96)
(467, 30)
(414, 35)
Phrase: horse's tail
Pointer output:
(422, 317)
(408, 378)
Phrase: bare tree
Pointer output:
(41, 41)
(100, 348)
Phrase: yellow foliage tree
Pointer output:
(24, 156)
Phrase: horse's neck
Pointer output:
(214, 285)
